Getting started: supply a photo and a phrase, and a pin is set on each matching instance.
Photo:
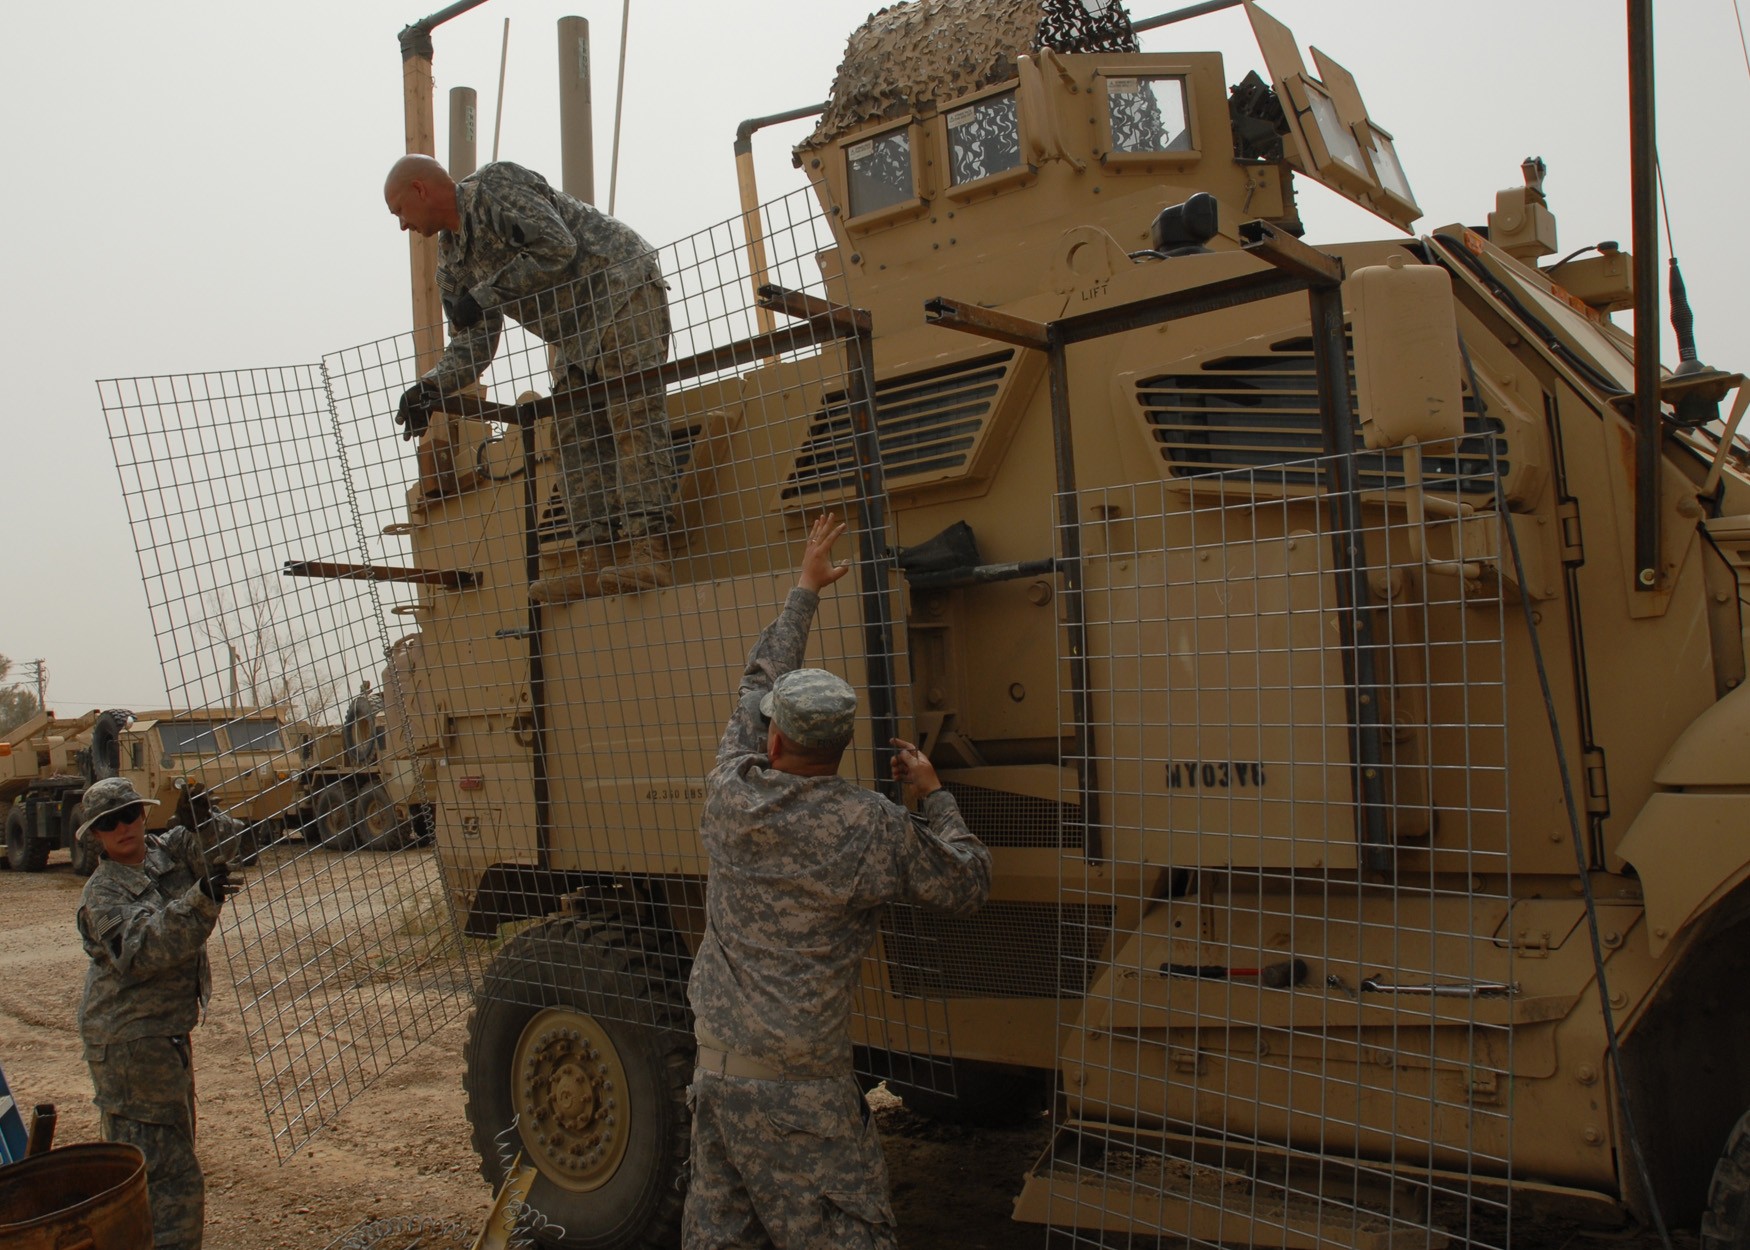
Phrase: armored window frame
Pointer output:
(1020, 174)
(887, 214)
(1106, 148)
(1377, 136)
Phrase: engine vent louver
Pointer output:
(927, 424)
(1246, 413)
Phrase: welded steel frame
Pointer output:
(1293, 266)
(821, 321)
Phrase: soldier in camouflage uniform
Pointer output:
(590, 287)
(144, 918)
(784, 1152)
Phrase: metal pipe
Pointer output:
(1069, 567)
(747, 185)
(981, 574)
(1337, 422)
(498, 109)
(1645, 202)
(420, 126)
(1180, 15)
(576, 115)
(619, 107)
(464, 146)
(540, 790)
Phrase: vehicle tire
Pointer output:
(378, 827)
(1725, 1225)
(334, 823)
(985, 1094)
(602, 990)
(23, 852)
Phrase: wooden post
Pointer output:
(416, 93)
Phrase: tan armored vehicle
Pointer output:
(222, 774)
(1339, 647)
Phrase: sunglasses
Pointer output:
(107, 822)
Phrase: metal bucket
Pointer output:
(90, 1197)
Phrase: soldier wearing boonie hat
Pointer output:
(802, 862)
(144, 918)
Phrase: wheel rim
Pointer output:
(334, 821)
(379, 819)
(568, 1092)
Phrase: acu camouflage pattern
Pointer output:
(591, 288)
(145, 928)
(792, 1163)
(812, 707)
(109, 795)
(800, 868)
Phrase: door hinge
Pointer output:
(1597, 784)
(1568, 519)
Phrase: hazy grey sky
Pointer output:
(196, 184)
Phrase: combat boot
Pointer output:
(644, 568)
(577, 580)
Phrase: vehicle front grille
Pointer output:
(927, 424)
(1246, 413)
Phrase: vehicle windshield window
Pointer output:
(984, 138)
(254, 735)
(1336, 135)
(1148, 114)
(184, 737)
(880, 170)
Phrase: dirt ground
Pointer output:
(401, 1148)
(399, 1151)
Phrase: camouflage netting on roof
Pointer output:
(909, 55)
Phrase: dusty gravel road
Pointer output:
(400, 1148)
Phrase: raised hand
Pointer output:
(818, 571)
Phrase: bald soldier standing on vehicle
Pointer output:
(589, 287)
(144, 919)
(784, 1151)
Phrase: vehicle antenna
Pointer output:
(619, 106)
(498, 109)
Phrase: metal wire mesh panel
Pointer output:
(499, 660)
(1291, 769)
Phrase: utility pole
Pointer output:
(39, 673)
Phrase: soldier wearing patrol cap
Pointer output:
(144, 919)
(784, 1152)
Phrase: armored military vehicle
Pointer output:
(1340, 649)
(221, 774)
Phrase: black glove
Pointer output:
(414, 414)
(219, 884)
(464, 310)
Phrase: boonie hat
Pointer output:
(812, 707)
(110, 795)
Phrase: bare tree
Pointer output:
(18, 703)
(270, 661)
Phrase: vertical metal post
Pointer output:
(1645, 225)
(576, 116)
(537, 666)
(1069, 568)
(875, 561)
(464, 143)
(416, 104)
(1349, 554)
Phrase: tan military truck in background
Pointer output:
(224, 775)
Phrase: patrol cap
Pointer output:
(109, 795)
(812, 707)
